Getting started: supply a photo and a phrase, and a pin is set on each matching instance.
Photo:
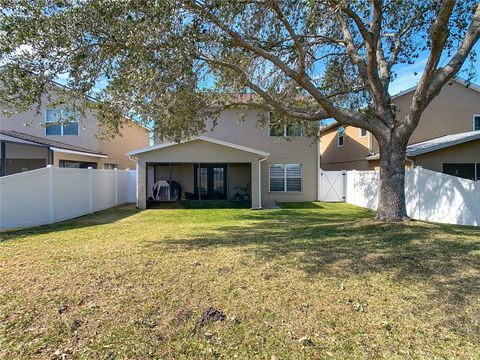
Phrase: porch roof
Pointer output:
(203, 138)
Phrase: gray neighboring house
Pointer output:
(236, 161)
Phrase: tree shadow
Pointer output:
(444, 257)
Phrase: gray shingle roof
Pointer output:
(437, 144)
(48, 142)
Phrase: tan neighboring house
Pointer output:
(446, 140)
(30, 141)
(236, 161)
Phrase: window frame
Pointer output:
(473, 122)
(360, 133)
(111, 166)
(285, 188)
(60, 124)
(338, 136)
(285, 127)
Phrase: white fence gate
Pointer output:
(332, 186)
(49, 195)
(429, 195)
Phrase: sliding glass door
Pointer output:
(210, 181)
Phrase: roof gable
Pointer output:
(202, 138)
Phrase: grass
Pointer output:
(306, 281)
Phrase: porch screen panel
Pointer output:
(218, 180)
(202, 175)
(277, 177)
(293, 177)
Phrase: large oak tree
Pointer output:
(165, 62)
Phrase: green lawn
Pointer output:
(307, 281)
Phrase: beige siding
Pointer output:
(132, 137)
(451, 112)
(350, 156)
(34, 124)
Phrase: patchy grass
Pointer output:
(307, 281)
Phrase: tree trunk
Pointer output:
(391, 206)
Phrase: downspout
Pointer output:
(136, 178)
(260, 180)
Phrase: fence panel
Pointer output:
(103, 183)
(48, 195)
(71, 188)
(429, 195)
(25, 199)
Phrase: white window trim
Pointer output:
(285, 179)
(284, 131)
(473, 121)
(61, 125)
(338, 138)
(360, 133)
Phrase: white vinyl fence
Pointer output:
(430, 196)
(51, 194)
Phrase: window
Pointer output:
(110, 166)
(285, 130)
(469, 171)
(77, 164)
(60, 122)
(363, 133)
(476, 122)
(285, 177)
(340, 136)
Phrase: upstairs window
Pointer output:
(283, 130)
(340, 136)
(285, 177)
(363, 133)
(476, 123)
(61, 122)
(110, 166)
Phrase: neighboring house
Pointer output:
(30, 141)
(446, 140)
(238, 160)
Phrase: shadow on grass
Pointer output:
(200, 204)
(103, 217)
(343, 244)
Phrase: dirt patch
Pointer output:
(210, 315)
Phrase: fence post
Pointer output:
(90, 173)
(344, 180)
(50, 194)
(116, 186)
(417, 187)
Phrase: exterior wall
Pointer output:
(451, 112)
(295, 150)
(463, 153)
(132, 137)
(34, 124)
(350, 156)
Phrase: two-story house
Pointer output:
(446, 140)
(32, 140)
(237, 160)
